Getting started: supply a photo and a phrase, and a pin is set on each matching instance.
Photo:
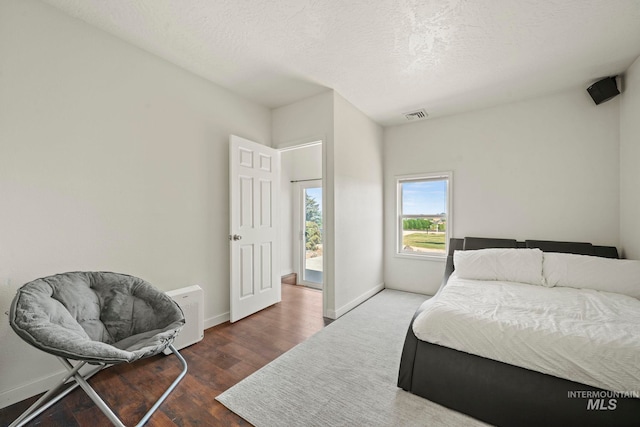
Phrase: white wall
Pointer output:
(110, 159)
(630, 163)
(305, 121)
(306, 162)
(358, 200)
(286, 215)
(298, 164)
(546, 168)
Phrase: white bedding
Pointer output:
(583, 335)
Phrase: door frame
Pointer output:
(327, 218)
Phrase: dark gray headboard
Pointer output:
(470, 243)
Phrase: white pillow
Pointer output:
(621, 276)
(509, 265)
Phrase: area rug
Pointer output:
(345, 375)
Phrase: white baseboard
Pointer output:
(24, 391)
(334, 314)
(216, 320)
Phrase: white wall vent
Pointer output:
(191, 301)
(416, 115)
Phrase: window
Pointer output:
(424, 215)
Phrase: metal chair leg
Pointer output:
(94, 396)
(81, 381)
(46, 400)
(169, 390)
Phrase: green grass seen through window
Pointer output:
(425, 240)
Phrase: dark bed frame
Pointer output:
(503, 394)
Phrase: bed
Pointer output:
(513, 374)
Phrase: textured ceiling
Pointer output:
(386, 57)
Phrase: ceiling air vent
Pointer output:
(416, 115)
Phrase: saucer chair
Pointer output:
(95, 318)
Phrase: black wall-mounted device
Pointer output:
(603, 90)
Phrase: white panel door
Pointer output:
(254, 187)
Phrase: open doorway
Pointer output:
(302, 213)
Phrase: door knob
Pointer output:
(235, 237)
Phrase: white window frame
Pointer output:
(400, 179)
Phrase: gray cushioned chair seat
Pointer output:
(95, 316)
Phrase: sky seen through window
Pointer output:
(424, 197)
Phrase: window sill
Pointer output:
(437, 258)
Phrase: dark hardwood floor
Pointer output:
(227, 354)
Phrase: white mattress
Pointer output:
(583, 335)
